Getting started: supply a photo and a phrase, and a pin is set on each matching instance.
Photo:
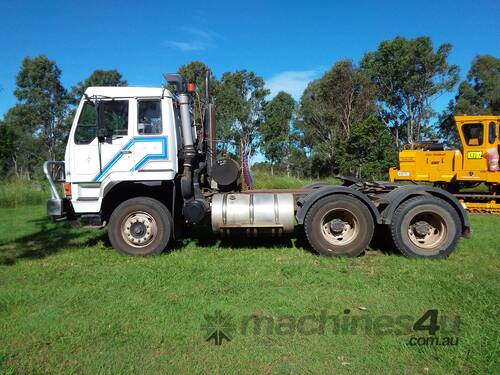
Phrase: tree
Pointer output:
(370, 150)
(298, 162)
(329, 108)
(409, 76)
(97, 78)
(479, 94)
(7, 139)
(275, 129)
(41, 94)
(448, 134)
(21, 147)
(313, 118)
(348, 95)
(240, 100)
(195, 72)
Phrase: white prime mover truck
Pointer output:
(137, 162)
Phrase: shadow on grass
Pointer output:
(49, 239)
(381, 242)
(53, 237)
(205, 238)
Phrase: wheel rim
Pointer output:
(139, 229)
(339, 227)
(427, 230)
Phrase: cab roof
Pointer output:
(476, 118)
(127, 92)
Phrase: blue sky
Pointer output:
(288, 43)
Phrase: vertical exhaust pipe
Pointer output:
(187, 124)
(188, 151)
(209, 127)
(184, 104)
(195, 205)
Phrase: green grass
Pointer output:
(266, 181)
(71, 304)
(23, 193)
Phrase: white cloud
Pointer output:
(196, 40)
(292, 82)
(202, 34)
(186, 46)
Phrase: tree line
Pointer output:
(352, 120)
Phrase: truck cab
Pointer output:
(137, 140)
(479, 136)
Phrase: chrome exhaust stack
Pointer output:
(184, 98)
(195, 205)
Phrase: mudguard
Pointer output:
(305, 203)
(403, 193)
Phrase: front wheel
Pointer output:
(425, 226)
(339, 225)
(140, 226)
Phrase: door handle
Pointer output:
(125, 152)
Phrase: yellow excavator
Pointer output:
(471, 173)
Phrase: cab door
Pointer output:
(473, 136)
(93, 158)
(153, 143)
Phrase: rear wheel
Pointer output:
(140, 226)
(425, 226)
(339, 225)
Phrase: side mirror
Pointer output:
(102, 134)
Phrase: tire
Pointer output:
(140, 226)
(339, 225)
(425, 227)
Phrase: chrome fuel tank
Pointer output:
(253, 213)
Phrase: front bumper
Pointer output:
(60, 208)
(55, 208)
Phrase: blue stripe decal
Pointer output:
(149, 157)
(143, 161)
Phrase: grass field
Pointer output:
(22, 193)
(71, 304)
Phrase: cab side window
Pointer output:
(113, 116)
(492, 132)
(149, 117)
(86, 129)
(473, 134)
